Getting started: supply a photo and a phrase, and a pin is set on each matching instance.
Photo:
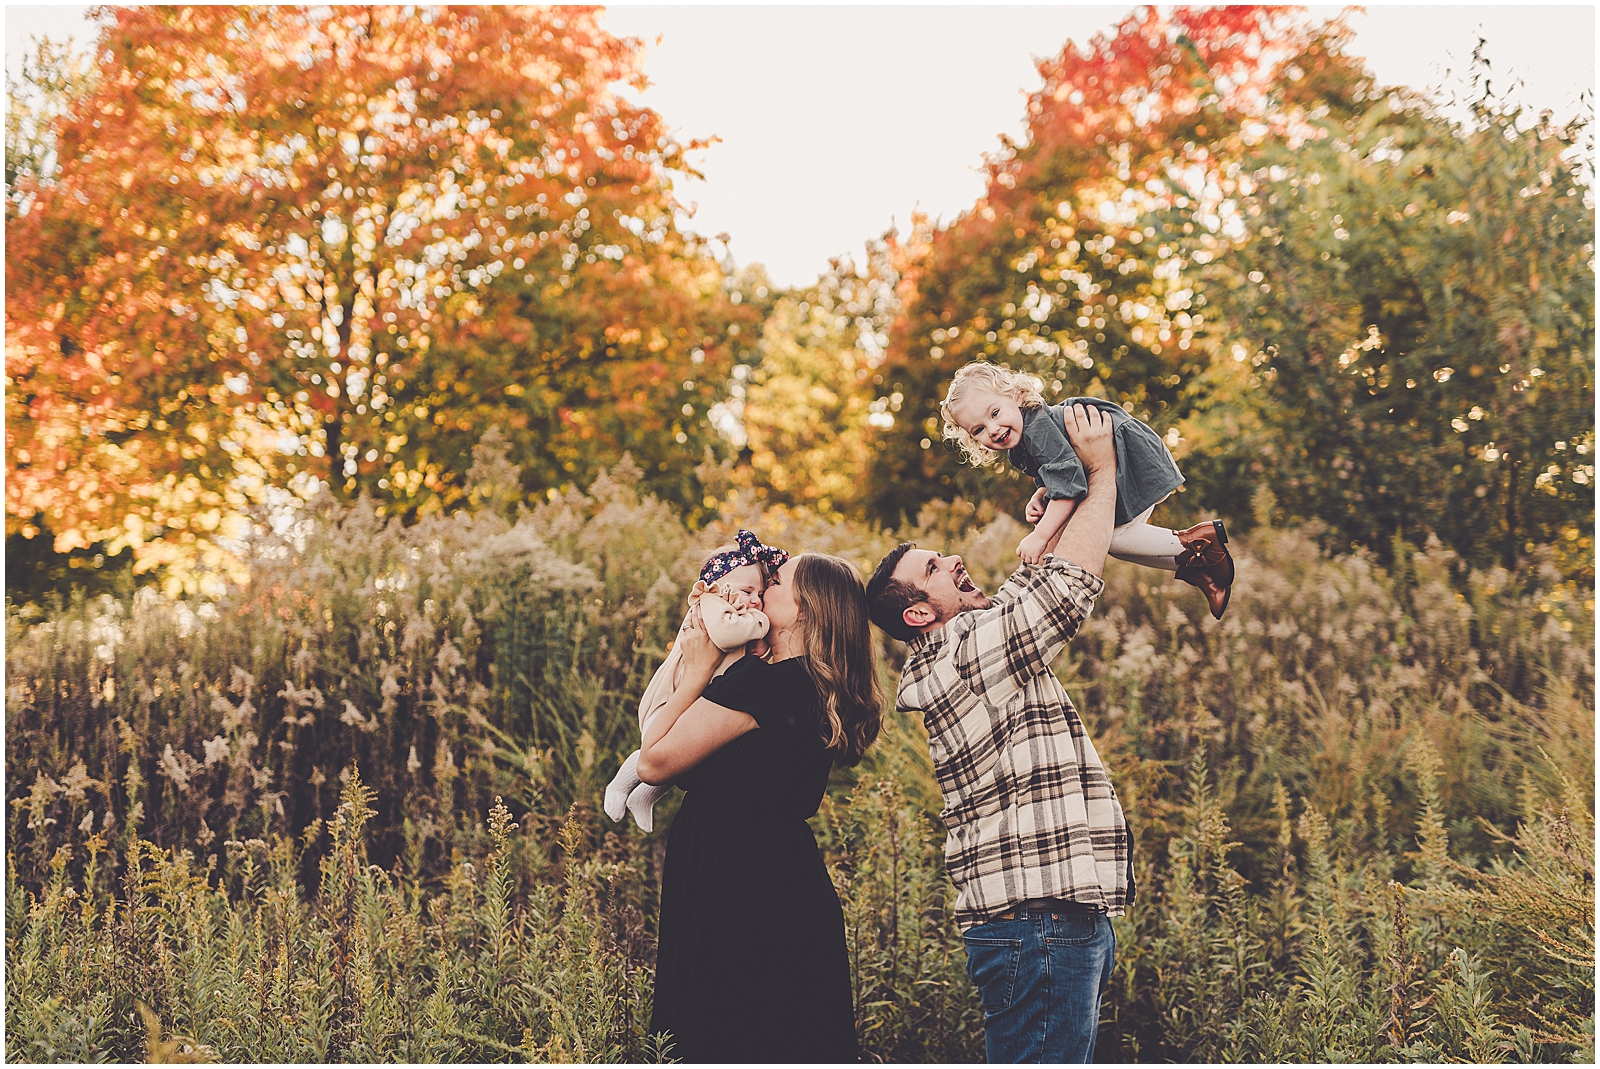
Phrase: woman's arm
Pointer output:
(698, 732)
(688, 729)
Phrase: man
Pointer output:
(1037, 847)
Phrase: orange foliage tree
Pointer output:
(1080, 261)
(291, 246)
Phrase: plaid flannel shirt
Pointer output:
(1028, 806)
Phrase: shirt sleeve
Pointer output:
(1058, 468)
(729, 627)
(1013, 641)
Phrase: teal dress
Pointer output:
(1146, 473)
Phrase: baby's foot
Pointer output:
(621, 786)
(641, 803)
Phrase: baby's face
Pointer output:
(744, 586)
(995, 422)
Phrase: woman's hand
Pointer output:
(700, 654)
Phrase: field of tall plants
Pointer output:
(351, 812)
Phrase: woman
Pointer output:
(752, 963)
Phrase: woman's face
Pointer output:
(779, 601)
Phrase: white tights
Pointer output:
(1139, 543)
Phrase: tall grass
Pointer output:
(272, 828)
(240, 965)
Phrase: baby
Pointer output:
(991, 408)
(729, 595)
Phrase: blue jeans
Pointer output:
(1041, 978)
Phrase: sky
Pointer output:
(836, 123)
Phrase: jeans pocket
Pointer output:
(992, 966)
(1073, 931)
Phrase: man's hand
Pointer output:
(1032, 548)
(1036, 504)
(1089, 431)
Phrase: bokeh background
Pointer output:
(375, 382)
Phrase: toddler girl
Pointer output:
(991, 408)
(728, 593)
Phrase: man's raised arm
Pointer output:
(1051, 603)
(1087, 537)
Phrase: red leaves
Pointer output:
(1073, 264)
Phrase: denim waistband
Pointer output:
(1049, 905)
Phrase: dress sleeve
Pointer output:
(744, 686)
(1060, 471)
(780, 697)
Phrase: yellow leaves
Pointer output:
(70, 539)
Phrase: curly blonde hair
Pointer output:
(1020, 386)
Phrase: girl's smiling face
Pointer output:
(993, 421)
(744, 586)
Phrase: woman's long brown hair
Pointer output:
(839, 653)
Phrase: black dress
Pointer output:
(752, 964)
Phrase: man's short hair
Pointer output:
(888, 598)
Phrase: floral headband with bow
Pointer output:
(748, 551)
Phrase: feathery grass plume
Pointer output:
(1433, 840)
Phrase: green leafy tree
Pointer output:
(1420, 296)
(808, 410)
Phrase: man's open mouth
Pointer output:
(964, 582)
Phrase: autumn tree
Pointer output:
(49, 80)
(336, 245)
(1078, 261)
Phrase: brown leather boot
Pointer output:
(1217, 595)
(1204, 543)
(1207, 565)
